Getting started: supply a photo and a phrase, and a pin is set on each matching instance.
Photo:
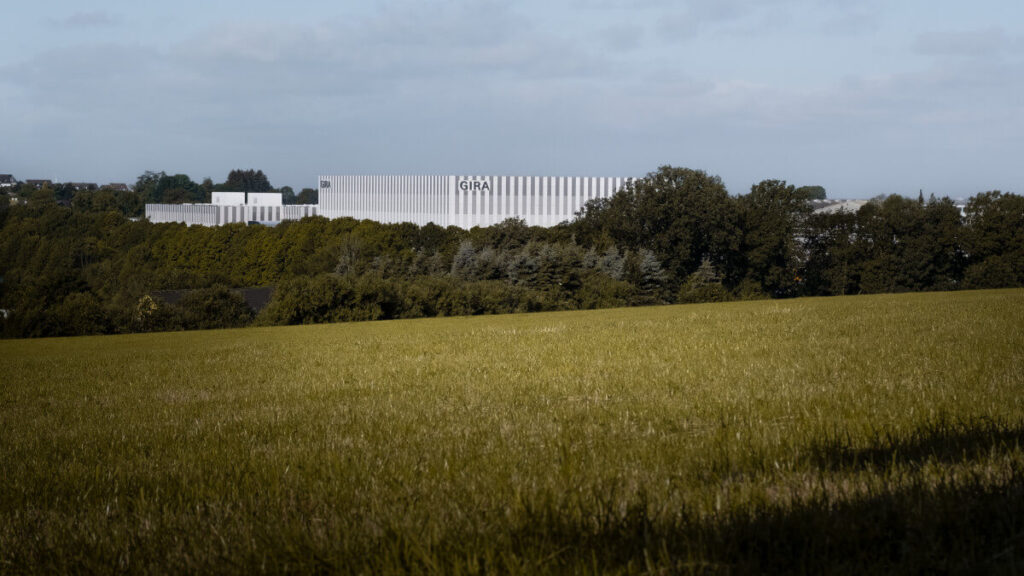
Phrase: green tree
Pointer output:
(247, 181)
(158, 188)
(772, 217)
(146, 186)
(215, 307)
(79, 314)
(684, 216)
(63, 193)
(811, 192)
(704, 285)
(308, 196)
(206, 188)
(995, 239)
(833, 254)
(909, 246)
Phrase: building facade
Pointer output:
(463, 201)
(231, 207)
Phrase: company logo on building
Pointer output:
(325, 183)
(474, 185)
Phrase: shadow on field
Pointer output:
(919, 530)
(942, 441)
(972, 525)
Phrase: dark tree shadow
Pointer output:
(942, 440)
(964, 529)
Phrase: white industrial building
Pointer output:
(231, 207)
(463, 201)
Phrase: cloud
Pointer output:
(684, 21)
(850, 23)
(622, 37)
(247, 85)
(989, 42)
(94, 19)
(456, 40)
(480, 86)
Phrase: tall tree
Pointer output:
(995, 239)
(158, 187)
(683, 215)
(771, 217)
(247, 181)
(146, 185)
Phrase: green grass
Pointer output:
(842, 435)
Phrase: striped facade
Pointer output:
(219, 214)
(463, 201)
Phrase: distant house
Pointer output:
(80, 186)
(117, 187)
(37, 184)
(7, 181)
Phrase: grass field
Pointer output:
(842, 435)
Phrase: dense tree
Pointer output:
(98, 201)
(63, 193)
(772, 217)
(215, 307)
(247, 181)
(906, 245)
(308, 196)
(146, 184)
(158, 188)
(812, 192)
(995, 239)
(832, 248)
(672, 236)
(892, 245)
(704, 285)
(684, 216)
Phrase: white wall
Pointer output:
(228, 198)
(464, 201)
(264, 199)
(216, 215)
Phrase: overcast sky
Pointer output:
(862, 97)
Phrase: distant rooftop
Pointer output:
(831, 206)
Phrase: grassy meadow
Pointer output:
(833, 435)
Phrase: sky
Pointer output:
(863, 97)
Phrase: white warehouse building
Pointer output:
(231, 207)
(463, 201)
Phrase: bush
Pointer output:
(214, 307)
(993, 272)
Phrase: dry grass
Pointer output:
(877, 433)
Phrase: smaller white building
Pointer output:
(264, 199)
(230, 207)
(228, 198)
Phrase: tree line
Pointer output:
(156, 188)
(676, 235)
